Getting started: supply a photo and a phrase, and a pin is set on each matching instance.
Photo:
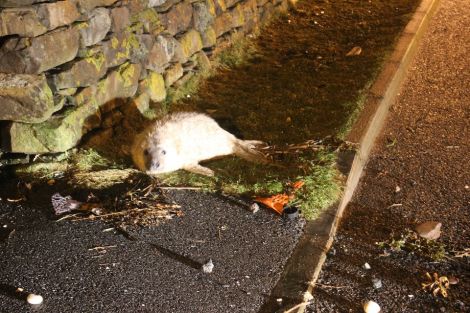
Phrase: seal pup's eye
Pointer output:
(163, 152)
(146, 152)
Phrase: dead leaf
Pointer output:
(429, 230)
(354, 51)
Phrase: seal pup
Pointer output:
(182, 140)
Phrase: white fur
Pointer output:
(186, 138)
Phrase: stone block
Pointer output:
(156, 3)
(64, 131)
(81, 73)
(173, 74)
(231, 3)
(220, 6)
(21, 21)
(203, 63)
(178, 19)
(120, 19)
(36, 20)
(142, 102)
(191, 42)
(150, 21)
(135, 6)
(203, 15)
(25, 98)
(35, 55)
(119, 83)
(86, 6)
(120, 48)
(223, 24)
(154, 87)
(161, 54)
(209, 37)
(58, 13)
(96, 28)
(17, 3)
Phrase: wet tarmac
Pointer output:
(85, 267)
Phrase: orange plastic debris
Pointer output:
(298, 184)
(276, 202)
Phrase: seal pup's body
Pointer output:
(182, 140)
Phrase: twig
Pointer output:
(297, 306)
(179, 188)
(158, 207)
(101, 248)
(66, 217)
(329, 286)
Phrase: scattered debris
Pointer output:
(16, 200)
(34, 299)
(453, 280)
(291, 212)
(366, 266)
(429, 230)
(412, 242)
(371, 307)
(376, 283)
(62, 205)
(354, 51)
(136, 207)
(208, 267)
(278, 202)
(436, 284)
(101, 249)
(254, 207)
(464, 253)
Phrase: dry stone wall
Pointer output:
(66, 65)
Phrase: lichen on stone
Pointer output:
(98, 60)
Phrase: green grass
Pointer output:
(238, 177)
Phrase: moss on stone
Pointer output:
(155, 87)
(114, 43)
(150, 20)
(191, 42)
(127, 73)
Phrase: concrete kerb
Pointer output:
(368, 126)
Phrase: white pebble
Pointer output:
(254, 207)
(366, 266)
(371, 307)
(397, 189)
(34, 299)
(208, 267)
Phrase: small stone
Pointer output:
(354, 51)
(366, 266)
(376, 283)
(254, 207)
(429, 230)
(34, 299)
(279, 301)
(397, 189)
(453, 280)
(208, 267)
(371, 307)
